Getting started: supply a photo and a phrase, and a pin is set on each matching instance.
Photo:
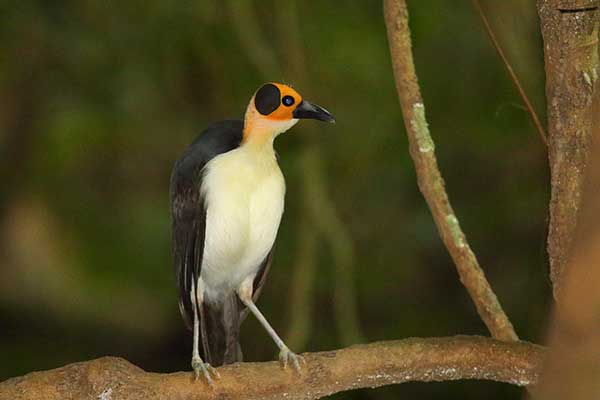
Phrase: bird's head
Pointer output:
(275, 108)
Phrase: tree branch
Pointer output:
(429, 178)
(325, 373)
(572, 367)
(570, 33)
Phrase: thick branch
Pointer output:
(429, 178)
(572, 367)
(371, 365)
(570, 32)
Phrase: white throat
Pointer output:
(272, 128)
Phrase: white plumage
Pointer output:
(244, 191)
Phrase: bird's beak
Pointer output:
(312, 111)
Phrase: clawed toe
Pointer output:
(286, 357)
(205, 369)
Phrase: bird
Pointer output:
(227, 199)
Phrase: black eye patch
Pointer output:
(266, 99)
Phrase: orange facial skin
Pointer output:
(283, 112)
(261, 127)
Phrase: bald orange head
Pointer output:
(276, 101)
(276, 107)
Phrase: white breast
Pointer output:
(244, 192)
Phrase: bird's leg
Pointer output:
(198, 365)
(286, 356)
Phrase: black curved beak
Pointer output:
(307, 110)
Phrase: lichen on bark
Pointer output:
(419, 123)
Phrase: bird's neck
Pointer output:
(257, 140)
(260, 132)
(257, 143)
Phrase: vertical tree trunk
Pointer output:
(572, 367)
(570, 31)
(570, 34)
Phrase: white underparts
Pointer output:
(244, 191)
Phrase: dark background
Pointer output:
(98, 98)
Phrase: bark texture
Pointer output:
(431, 183)
(570, 33)
(572, 370)
(325, 373)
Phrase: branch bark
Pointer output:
(429, 178)
(325, 373)
(570, 33)
(573, 365)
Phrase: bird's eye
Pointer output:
(287, 100)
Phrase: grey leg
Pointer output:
(198, 365)
(286, 356)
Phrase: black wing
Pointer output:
(188, 209)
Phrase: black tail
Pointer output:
(220, 333)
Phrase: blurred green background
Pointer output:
(98, 98)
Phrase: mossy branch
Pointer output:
(431, 183)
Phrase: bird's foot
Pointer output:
(286, 357)
(200, 367)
